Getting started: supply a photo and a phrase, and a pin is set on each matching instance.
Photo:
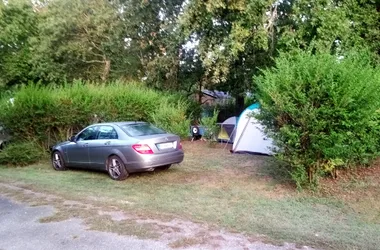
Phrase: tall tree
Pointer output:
(235, 39)
(81, 39)
(331, 26)
(18, 22)
(151, 26)
(364, 16)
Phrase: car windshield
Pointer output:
(141, 129)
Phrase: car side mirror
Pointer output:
(72, 138)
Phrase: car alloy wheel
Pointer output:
(57, 161)
(116, 168)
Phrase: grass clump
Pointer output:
(21, 154)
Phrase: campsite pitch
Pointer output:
(244, 194)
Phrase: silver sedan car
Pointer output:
(119, 148)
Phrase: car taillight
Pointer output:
(180, 146)
(142, 149)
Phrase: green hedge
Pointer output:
(322, 112)
(48, 114)
(21, 154)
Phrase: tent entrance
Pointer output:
(227, 130)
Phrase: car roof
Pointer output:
(119, 123)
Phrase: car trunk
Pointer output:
(160, 144)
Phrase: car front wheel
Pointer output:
(57, 161)
(116, 168)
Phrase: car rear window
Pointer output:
(141, 129)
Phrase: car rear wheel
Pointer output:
(165, 167)
(57, 161)
(3, 144)
(116, 168)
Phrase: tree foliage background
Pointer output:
(173, 45)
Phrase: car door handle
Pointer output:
(107, 143)
(85, 145)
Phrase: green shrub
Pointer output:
(211, 128)
(32, 115)
(321, 112)
(194, 111)
(5, 93)
(172, 118)
(22, 154)
(226, 110)
(48, 114)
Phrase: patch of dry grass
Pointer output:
(186, 242)
(124, 227)
(359, 189)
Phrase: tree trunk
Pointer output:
(106, 70)
(239, 105)
(200, 94)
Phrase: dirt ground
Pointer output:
(26, 225)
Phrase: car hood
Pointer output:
(61, 144)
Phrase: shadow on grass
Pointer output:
(275, 169)
(91, 172)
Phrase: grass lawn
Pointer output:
(241, 193)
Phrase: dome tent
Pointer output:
(249, 137)
(227, 130)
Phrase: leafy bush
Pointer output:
(321, 112)
(49, 114)
(5, 93)
(21, 154)
(194, 111)
(172, 118)
(211, 128)
(226, 110)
